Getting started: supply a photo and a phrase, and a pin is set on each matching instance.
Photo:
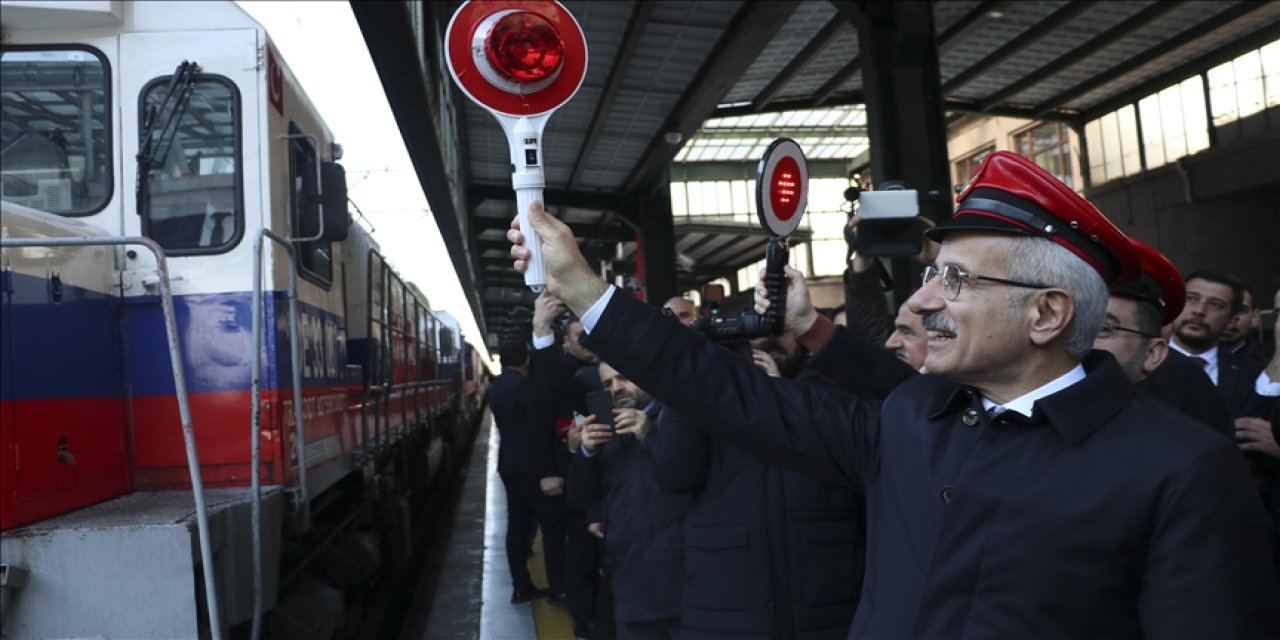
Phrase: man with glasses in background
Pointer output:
(1003, 494)
(1131, 331)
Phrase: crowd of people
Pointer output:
(1057, 435)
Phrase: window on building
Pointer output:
(1241, 90)
(1175, 122)
(1049, 146)
(964, 167)
(55, 147)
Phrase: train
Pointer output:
(221, 407)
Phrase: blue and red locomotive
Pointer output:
(129, 502)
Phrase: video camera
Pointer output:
(782, 190)
(889, 225)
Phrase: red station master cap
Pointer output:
(1008, 193)
(1160, 285)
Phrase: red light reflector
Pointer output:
(524, 47)
(784, 188)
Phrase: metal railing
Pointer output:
(304, 499)
(180, 390)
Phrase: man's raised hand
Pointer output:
(800, 312)
(568, 276)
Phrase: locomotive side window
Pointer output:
(55, 145)
(315, 258)
(192, 191)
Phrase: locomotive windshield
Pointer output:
(55, 152)
(190, 151)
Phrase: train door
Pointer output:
(196, 125)
(189, 105)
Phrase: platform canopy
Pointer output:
(660, 69)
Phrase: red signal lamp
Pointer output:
(782, 187)
(524, 47)
(784, 193)
(521, 60)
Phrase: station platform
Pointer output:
(468, 592)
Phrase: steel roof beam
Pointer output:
(640, 13)
(1166, 46)
(829, 87)
(1256, 40)
(1078, 54)
(580, 230)
(478, 193)
(737, 244)
(964, 27)
(744, 37)
(1020, 43)
(969, 24)
(815, 45)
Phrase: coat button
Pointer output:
(946, 495)
(970, 417)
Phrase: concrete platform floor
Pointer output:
(470, 599)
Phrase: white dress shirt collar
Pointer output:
(1026, 402)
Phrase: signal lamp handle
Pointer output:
(775, 285)
(534, 277)
(524, 137)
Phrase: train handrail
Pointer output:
(180, 390)
(304, 499)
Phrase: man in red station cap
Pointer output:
(1004, 497)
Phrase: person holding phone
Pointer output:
(642, 525)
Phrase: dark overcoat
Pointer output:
(523, 447)
(769, 553)
(1183, 385)
(1105, 515)
(643, 524)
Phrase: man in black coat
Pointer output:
(526, 465)
(564, 378)
(643, 524)
(1003, 494)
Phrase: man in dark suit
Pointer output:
(1003, 494)
(1239, 339)
(643, 524)
(1212, 299)
(564, 378)
(527, 469)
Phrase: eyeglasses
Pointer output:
(953, 278)
(1108, 331)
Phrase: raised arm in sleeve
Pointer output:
(785, 422)
(681, 455)
(865, 308)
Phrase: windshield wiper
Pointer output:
(160, 128)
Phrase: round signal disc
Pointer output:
(459, 37)
(782, 187)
